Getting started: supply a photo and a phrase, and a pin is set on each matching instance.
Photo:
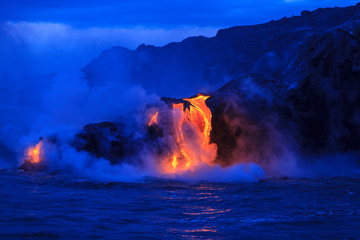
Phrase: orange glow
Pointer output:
(153, 119)
(174, 163)
(34, 153)
(200, 114)
(192, 127)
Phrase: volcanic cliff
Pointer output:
(287, 86)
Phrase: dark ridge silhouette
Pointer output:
(200, 64)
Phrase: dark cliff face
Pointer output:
(200, 64)
(316, 109)
(326, 100)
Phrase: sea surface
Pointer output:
(42, 206)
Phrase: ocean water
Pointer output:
(42, 206)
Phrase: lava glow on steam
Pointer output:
(191, 127)
(33, 154)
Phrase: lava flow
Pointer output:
(191, 128)
(34, 153)
(153, 120)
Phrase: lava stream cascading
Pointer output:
(192, 127)
(153, 120)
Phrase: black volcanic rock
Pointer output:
(105, 139)
(326, 99)
(30, 166)
(317, 105)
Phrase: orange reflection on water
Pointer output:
(199, 230)
(207, 211)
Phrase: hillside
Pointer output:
(200, 64)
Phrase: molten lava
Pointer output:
(153, 119)
(174, 162)
(200, 115)
(34, 153)
(192, 128)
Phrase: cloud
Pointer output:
(55, 46)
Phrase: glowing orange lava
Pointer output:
(200, 115)
(192, 128)
(153, 119)
(34, 153)
(174, 162)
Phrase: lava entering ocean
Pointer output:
(34, 154)
(34, 158)
(188, 149)
(191, 127)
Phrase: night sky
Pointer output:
(157, 13)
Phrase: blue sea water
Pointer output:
(43, 206)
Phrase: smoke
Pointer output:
(68, 105)
(43, 92)
(239, 172)
(67, 159)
